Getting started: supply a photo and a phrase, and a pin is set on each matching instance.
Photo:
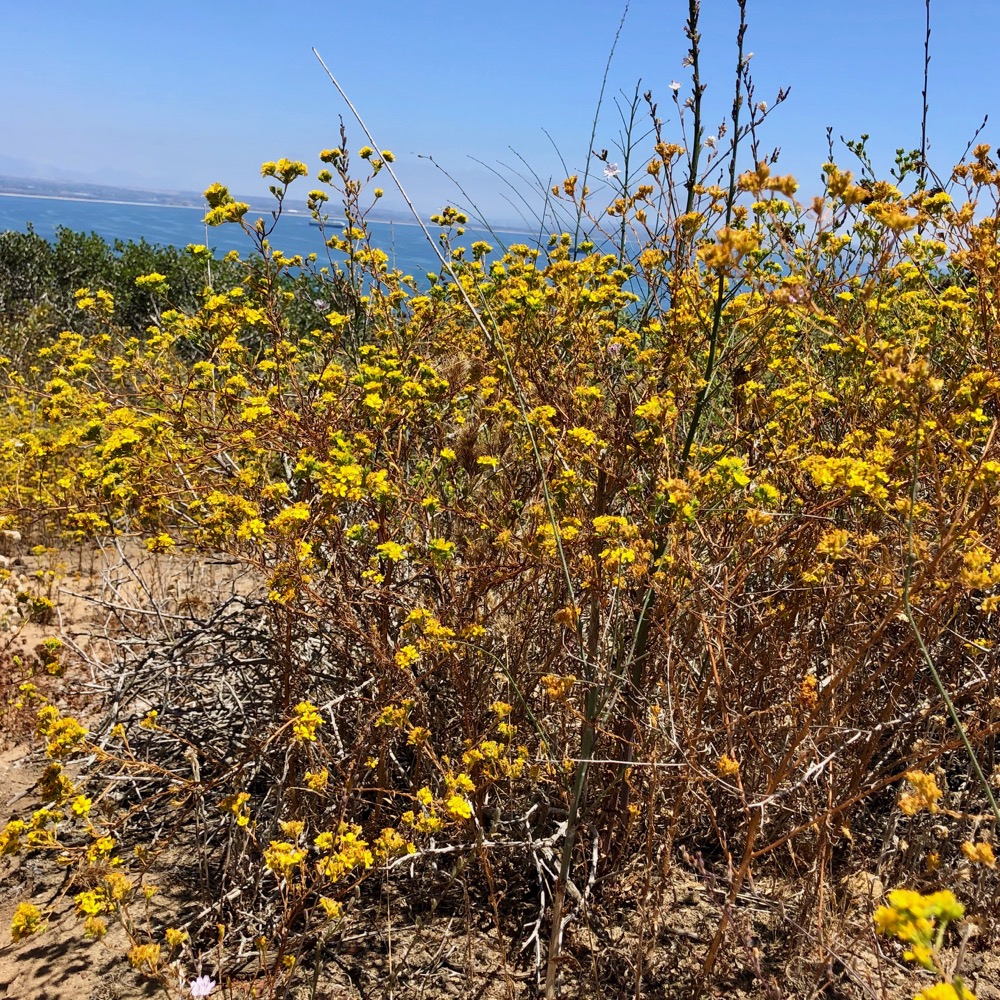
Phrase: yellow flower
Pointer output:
(808, 692)
(391, 843)
(284, 170)
(154, 282)
(307, 721)
(918, 921)
(160, 543)
(317, 780)
(406, 656)
(100, 848)
(459, 807)
(981, 853)
(27, 920)
(63, 733)
(147, 955)
(921, 954)
(727, 767)
(237, 805)
(81, 805)
(556, 687)
(281, 857)
(91, 903)
(95, 927)
(174, 937)
(925, 794)
(944, 991)
(117, 886)
(232, 211)
(392, 551)
(440, 549)
(10, 837)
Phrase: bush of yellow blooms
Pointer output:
(575, 557)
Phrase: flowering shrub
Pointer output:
(628, 538)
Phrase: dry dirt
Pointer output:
(90, 589)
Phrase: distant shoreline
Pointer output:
(100, 201)
(298, 214)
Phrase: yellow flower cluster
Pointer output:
(27, 920)
(63, 733)
(698, 472)
(306, 722)
(924, 794)
(920, 922)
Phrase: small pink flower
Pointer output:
(611, 170)
(202, 986)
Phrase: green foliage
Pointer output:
(39, 280)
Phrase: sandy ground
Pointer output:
(60, 964)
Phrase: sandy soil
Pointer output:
(60, 964)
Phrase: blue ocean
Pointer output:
(406, 245)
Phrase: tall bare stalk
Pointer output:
(639, 651)
(923, 117)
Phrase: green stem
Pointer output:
(924, 652)
(640, 636)
(691, 30)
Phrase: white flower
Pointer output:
(711, 142)
(202, 986)
(611, 170)
(674, 86)
(762, 105)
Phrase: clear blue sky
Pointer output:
(180, 94)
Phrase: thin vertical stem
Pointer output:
(691, 30)
(694, 157)
(640, 635)
(923, 118)
(593, 129)
(720, 292)
(918, 637)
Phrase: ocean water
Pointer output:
(406, 245)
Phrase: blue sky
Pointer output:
(181, 94)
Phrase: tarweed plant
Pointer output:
(548, 574)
